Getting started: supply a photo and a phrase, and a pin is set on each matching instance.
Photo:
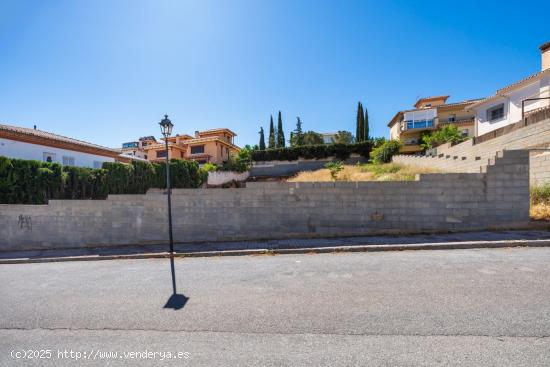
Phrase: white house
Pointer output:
(329, 138)
(26, 143)
(505, 106)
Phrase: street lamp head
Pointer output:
(166, 126)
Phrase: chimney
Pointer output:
(35, 127)
(545, 55)
(196, 134)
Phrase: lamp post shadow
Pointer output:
(176, 301)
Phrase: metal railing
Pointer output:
(535, 110)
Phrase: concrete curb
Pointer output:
(305, 250)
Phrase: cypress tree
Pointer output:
(280, 132)
(271, 142)
(360, 125)
(366, 125)
(262, 139)
(297, 137)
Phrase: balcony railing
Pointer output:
(457, 122)
(430, 124)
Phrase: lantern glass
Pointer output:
(166, 126)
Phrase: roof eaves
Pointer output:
(55, 137)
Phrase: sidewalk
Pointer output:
(344, 244)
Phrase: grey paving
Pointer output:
(283, 244)
(485, 307)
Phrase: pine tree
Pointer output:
(366, 125)
(280, 132)
(360, 132)
(262, 139)
(271, 142)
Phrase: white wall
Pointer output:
(221, 177)
(21, 150)
(512, 106)
(424, 114)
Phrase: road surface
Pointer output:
(486, 307)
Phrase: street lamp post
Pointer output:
(176, 301)
(166, 130)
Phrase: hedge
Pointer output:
(35, 182)
(340, 151)
(385, 152)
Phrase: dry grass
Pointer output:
(540, 211)
(365, 172)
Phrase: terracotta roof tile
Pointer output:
(545, 46)
(530, 77)
(513, 86)
(51, 136)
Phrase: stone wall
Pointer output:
(467, 157)
(498, 198)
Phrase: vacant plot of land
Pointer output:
(365, 172)
(540, 195)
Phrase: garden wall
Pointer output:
(435, 202)
(217, 178)
(467, 157)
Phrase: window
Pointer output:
(428, 105)
(68, 161)
(452, 118)
(161, 153)
(98, 164)
(496, 112)
(419, 124)
(133, 144)
(48, 157)
(197, 149)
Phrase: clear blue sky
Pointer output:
(106, 71)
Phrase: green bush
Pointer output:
(540, 194)
(35, 182)
(240, 162)
(385, 152)
(209, 167)
(320, 151)
(448, 134)
(334, 168)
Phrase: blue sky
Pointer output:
(106, 71)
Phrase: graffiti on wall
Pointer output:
(25, 222)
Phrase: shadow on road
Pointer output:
(176, 301)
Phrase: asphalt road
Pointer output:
(487, 307)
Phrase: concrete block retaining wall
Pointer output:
(438, 202)
(467, 157)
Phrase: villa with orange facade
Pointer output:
(208, 146)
